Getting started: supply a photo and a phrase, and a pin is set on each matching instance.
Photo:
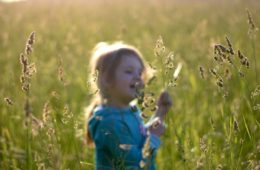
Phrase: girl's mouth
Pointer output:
(136, 86)
(132, 86)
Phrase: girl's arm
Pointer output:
(155, 125)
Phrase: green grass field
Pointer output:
(215, 120)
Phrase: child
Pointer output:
(115, 127)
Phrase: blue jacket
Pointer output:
(119, 136)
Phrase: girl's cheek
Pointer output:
(126, 76)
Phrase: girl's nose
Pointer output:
(139, 81)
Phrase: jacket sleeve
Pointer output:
(121, 145)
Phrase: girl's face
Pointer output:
(127, 74)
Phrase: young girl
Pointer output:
(114, 127)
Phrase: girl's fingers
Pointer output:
(158, 130)
(164, 103)
(165, 99)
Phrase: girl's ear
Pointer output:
(104, 83)
(105, 87)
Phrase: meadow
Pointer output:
(44, 55)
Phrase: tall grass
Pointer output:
(215, 121)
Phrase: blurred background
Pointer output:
(214, 123)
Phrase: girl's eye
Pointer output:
(128, 71)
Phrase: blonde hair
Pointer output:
(105, 59)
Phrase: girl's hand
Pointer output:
(157, 127)
(164, 104)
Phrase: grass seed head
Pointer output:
(31, 38)
(22, 79)
(146, 147)
(46, 112)
(243, 59)
(142, 164)
(252, 27)
(256, 107)
(219, 167)
(203, 145)
(177, 71)
(125, 146)
(213, 72)
(231, 51)
(28, 49)
(37, 124)
(227, 73)
(55, 94)
(8, 101)
(212, 123)
(61, 73)
(241, 74)
(151, 80)
(229, 59)
(159, 47)
(240, 55)
(236, 127)
(24, 62)
(172, 83)
(255, 92)
(201, 69)
(220, 82)
(67, 115)
(26, 87)
(144, 116)
(50, 132)
(220, 49)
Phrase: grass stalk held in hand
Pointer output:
(166, 70)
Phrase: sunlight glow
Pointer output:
(11, 1)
